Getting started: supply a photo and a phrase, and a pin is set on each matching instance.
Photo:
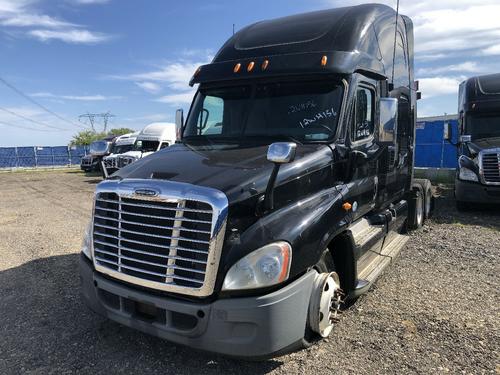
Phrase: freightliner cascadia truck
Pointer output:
(478, 173)
(288, 192)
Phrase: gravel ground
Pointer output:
(436, 310)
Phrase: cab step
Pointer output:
(379, 261)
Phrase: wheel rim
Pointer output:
(325, 303)
(420, 210)
(427, 204)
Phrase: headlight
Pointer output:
(263, 267)
(87, 241)
(467, 175)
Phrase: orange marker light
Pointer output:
(250, 66)
(347, 206)
(324, 60)
(265, 64)
(237, 68)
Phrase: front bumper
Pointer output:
(474, 192)
(251, 327)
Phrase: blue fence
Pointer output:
(430, 149)
(37, 156)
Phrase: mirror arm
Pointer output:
(269, 197)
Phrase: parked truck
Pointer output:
(478, 172)
(97, 151)
(288, 193)
(152, 138)
(121, 145)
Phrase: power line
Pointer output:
(29, 119)
(27, 97)
(29, 128)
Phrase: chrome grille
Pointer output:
(163, 242)
(110, 162)
(87, 160)
(490, 166)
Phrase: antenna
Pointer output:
(395, 35)
(233, 28)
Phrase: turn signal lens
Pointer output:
(324, 60)
(237, 68)
(265, 64)
(250, 66)
(347, 206)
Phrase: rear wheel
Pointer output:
(416, 210)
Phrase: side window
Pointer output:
(210, 119)
(363, 114)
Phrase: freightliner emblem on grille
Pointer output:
(146, 192)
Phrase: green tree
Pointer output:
(86, 137)
(120, 131)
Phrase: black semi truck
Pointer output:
(289, 190)
(478, 173)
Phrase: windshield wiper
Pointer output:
(273, 136)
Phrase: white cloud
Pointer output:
(436, 86)
(465, 67)
(150, 87)
(30, 118)
(492, 50)
(86, 98)
(90, 2)
(20, 17)
(74, 36)
(177, 99)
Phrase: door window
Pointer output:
(363, 119)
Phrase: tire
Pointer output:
(462, 206)
(428, 197)
(416, 210)
(325, 264)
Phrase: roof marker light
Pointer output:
(237, 68)
(324, 60)
(265, 64)
(250, 66)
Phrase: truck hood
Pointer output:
(484, 143)
(239, 172)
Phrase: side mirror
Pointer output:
(179, 123)
(447, 131)
(388, 119)
(281, 152)
(465, 138)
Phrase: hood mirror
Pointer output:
(281, 152)
(465, 138)
(179, 123)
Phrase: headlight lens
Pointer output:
(87, 241)
(263, 267)
(467, 175)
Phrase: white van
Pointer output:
(152, 138)
(121, 145)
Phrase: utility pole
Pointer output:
(90, 118)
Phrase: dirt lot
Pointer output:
(436, 310)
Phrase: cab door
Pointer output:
(364, 149)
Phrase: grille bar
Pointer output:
(153, 216)
(150, 225)
(170, 240)
(156, 207)
(490, 165)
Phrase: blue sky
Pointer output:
(134, 58)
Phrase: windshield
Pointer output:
(305, 111)
(146, 146)
(483, 125)
(121, 149)
(98, 147)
